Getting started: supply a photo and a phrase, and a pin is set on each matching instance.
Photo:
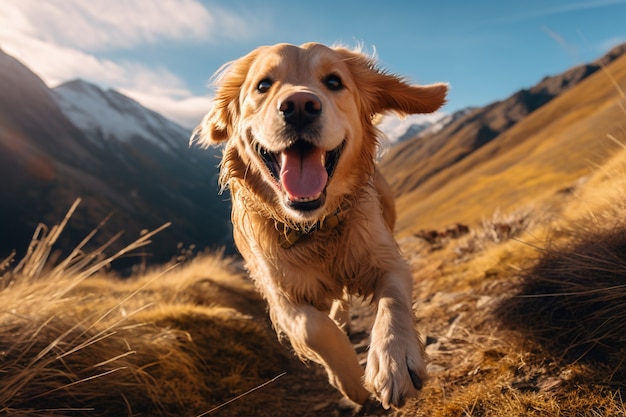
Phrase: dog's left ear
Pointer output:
(397, 95)
(382, 91)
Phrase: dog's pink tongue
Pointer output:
(302, 173)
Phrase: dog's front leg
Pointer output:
(340, 313)
(395, 362)
(315, 336)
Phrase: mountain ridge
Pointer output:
(523, 161)
(144, 178)
(124, 117)
(469, 133)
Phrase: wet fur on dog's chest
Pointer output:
(321, 265)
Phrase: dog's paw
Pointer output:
(395, 371)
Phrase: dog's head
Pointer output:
(298, 121)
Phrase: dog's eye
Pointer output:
(264, 85)
(333, 82)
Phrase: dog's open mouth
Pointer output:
(302, 171)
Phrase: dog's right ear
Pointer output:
(217, 124)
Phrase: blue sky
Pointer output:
(162, 53)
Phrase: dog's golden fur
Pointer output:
(309, 108)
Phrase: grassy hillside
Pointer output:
(78, 341)
(184, 339)
(435, 150)
(547, 151)
(522, 316)
(522, 313)
(529, 324)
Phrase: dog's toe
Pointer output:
(415, 379)
(394, 381)
(370, 408)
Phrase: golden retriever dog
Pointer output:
(312, 217)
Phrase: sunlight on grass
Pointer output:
(530, 325)
(78, 341)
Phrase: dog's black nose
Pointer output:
(301, 108)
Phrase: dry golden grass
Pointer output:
(530, 326)
(177, 341)
(529, 322)
(521, 318)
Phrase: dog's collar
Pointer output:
(290, 234)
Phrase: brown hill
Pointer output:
(509, 153)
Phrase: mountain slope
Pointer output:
(504, 154)
(154, 162)
(56, 146)
(463, 136)
(40, 152)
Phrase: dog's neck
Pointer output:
(291, 234)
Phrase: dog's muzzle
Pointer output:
(302, 171)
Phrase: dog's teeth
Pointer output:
(306, 199)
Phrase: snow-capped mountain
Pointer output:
(78, 141)
(397, 129)
(106, 115)
(444, 121)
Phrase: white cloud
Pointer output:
(155, 88)
(564, 44)
(60, 41)
(97, 25)
(57, 64)
(186, 111)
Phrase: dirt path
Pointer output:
(305, 391)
